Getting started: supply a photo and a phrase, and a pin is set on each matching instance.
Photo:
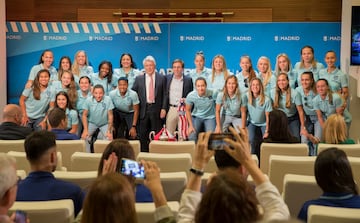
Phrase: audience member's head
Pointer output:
(333, 172)
(8, 182)
(57, 118)
(278, 127)
(121, 148)
(224, 161)
(12, 113)
(334, 131)
(231, 195)
(110, 199)
(40, 148)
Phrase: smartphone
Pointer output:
(132, 168)
(216, 140)
(20, 216)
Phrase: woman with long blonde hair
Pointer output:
(80, 66)
(218, 75)
(265, 74)
(335, 131)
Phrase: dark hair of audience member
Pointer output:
(56, 116)
(121, 148)
(224, 160)
(333, 172)
(278, 127)
(231, 195)
(110, 199)
(37, 143)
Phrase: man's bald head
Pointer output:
(12, 113)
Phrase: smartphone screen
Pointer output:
(20, 216)
(132, 168)
(216, 140)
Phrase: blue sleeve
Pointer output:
(219, 98)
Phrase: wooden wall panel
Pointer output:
(281, 10)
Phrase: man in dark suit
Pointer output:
(10, 128)
(178, 87)
(151, 89)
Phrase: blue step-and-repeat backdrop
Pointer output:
(25, 41)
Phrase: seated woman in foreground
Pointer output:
(334, 176)
(228, 197)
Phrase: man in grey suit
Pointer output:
(151, 89)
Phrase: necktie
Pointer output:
(151, 90)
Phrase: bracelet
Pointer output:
(196, 171)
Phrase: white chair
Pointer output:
(12, 145)
(321, 214)
(68, 147)
(288, 149)
(157, 146)
(349, 149)
(145, 211)
(297, 190)
(173, 184)
(83, 161)
(180, 162)
(23, 164)
(21, 173)
(281, 165)
(81, 178)
(100, 145)
(58, 211)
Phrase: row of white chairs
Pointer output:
(62, 211)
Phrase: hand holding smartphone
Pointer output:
(216, 140)
(132, 168)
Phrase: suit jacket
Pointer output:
(12, 131)
(187, 87)
(160, 93)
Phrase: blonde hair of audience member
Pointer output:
(8, 177)
(266, 76)
(278, 91)
(110, 199)
(278, 70)
(253, 95)
(334, 131)
(223, 68)
(80, 60)
(307, 57)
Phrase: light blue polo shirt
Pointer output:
(205, 73)
(295, 101)
(124, 103)
(36, 68)
(57, 86)
(203, 107)
(84, 71)
(292, 75)
(37, 108)
(80, 101)
(325, 107)
(231, 106)
(314, 70)
(95, 79)
(256, 112)
(337, 79)
(307, 101)
(72, 117)
(271, 84)
(241, 82)
(119, 72)
(98, 111)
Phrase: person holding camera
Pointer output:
(231, 195)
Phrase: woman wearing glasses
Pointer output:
(246, 74)
(307, 91)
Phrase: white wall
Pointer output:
(3, 95)
(353, 71)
